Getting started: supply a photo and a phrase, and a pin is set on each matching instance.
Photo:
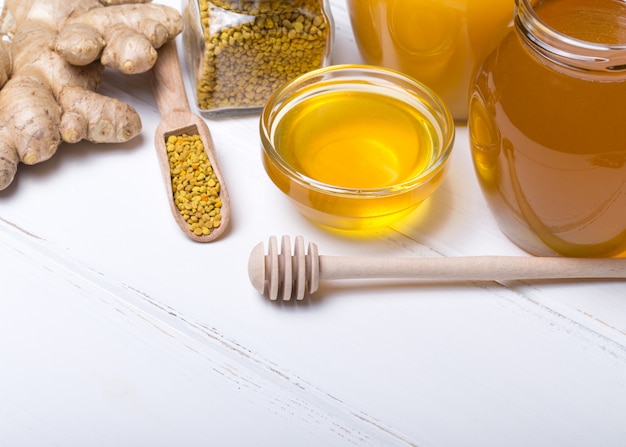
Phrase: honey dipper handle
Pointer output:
(167, 80)
(289, 274)
(490, 268)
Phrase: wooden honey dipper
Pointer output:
(288, 274)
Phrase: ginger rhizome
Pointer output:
(52, 66)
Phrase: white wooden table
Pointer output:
(117, 330)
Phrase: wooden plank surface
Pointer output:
(115, 329)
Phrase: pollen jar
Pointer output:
(356, 147)
(240, 51)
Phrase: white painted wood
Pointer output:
(116, 329)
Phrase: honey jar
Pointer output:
(437, 42)
(241, 51)
(547, 130)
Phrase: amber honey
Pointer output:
(549, 140)
(354, 154)
(439, 43)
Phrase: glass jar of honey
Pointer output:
(547, 129)
(241, 51)
(437, 42)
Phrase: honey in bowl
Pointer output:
(356, 147)
(380, 141)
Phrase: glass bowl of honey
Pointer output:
(356, 147)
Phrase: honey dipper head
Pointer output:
(284, 273)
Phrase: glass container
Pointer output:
(356, 147)
(438, 42)
(240, 51)
(547, 129)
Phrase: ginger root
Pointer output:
(53, 65)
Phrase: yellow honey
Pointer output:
(354, 154)
(438, 42)
(356, 140)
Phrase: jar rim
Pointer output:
(563, 49)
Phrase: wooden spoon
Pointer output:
(287, 275)
(177, 119)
